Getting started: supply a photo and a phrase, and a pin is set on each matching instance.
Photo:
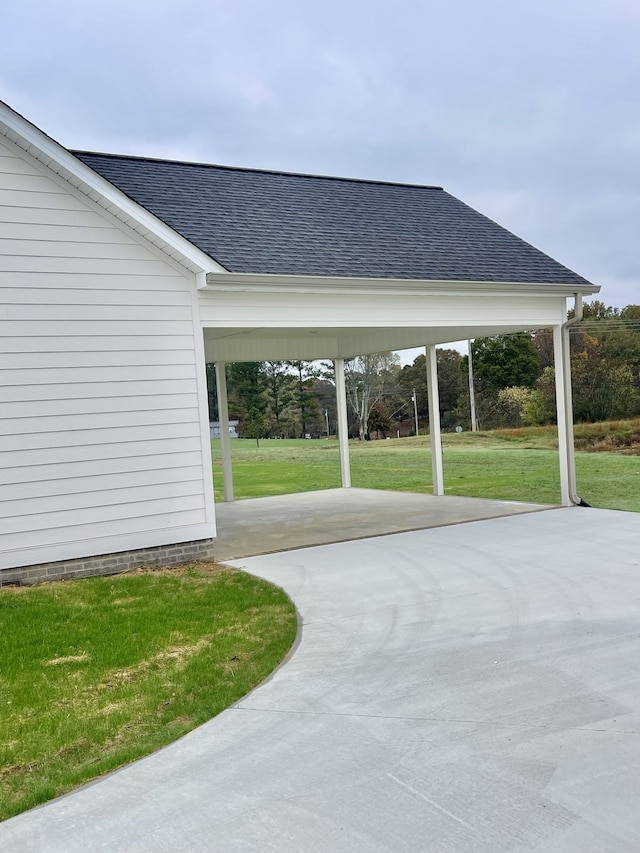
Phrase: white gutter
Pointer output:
(578, 312)
(254, 282)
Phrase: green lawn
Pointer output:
(509, 464)
(97, 672)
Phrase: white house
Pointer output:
(120, 276)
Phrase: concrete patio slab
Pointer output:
(464, 689)
(283, 522)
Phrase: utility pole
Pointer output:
(415, 408)
(472, 393)
(326, 417)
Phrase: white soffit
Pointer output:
(280, 344)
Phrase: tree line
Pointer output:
(513, 380)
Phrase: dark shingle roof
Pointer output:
(273, 222)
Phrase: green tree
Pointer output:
(505, 361)
(253, 425)
(597, 310)
(303, 397)
(212, 395)
(279, 389)
(631, 313)
(617, 331)
(603, 387)
(452, 383)
(513, 405)
(379, 420)
(540, 409)
(543, 344)
(245, 389)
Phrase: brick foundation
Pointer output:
(110, 564)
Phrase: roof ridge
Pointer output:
(282, 172)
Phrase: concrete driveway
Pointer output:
(468, 688)
(256, 526)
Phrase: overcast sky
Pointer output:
(527, 111)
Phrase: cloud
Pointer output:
(527, 111)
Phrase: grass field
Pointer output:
(506, 464)
(100, 671)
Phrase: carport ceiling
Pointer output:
(280, 343)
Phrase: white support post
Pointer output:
(568, 421)
(434, 420)
(225, 440)
(343, 424)
(472, 392)
(564, 415)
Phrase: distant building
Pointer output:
(214, 429)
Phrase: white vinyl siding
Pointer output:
(101, 427)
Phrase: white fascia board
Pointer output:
(55, 157)
(330, 284)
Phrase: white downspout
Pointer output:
(575, 499)
(561, 416)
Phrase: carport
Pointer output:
(119, 273)
(309, 267)
(301, 317)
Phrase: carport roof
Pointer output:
(276, 223)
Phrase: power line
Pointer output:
(610, 324)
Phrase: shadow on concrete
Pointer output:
(257, 526)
